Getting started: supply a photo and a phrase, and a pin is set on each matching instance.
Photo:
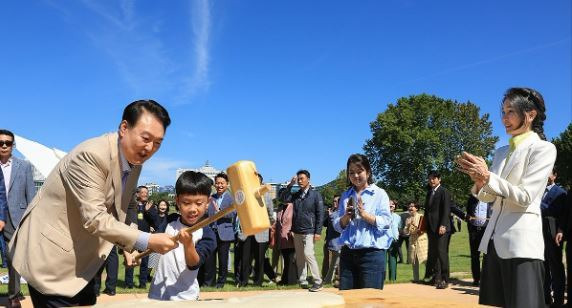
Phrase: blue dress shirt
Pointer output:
(358, 233)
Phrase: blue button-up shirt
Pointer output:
(395, 223)
(358, 233)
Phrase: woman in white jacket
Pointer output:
(513, 270)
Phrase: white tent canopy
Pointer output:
(43, 158)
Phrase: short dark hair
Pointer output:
(7, 133)
(133, 111)
(304, 172)
(141, 187)
(415, 204)
(362, 161)
(222, 175)
(434, 174)
(193, 183)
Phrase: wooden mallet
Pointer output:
(248, 202)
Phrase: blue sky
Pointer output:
(287, 84)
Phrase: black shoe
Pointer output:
(475, 283)
(142, 286)
(129, 286)
(316, 288)
(442, 285)
(109, 292)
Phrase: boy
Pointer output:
(176, 274)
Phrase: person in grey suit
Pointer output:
(20, 190)
(224, 231)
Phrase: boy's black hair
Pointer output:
(193, 183)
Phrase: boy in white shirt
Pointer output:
(176, 274)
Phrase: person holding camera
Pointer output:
(364, 221)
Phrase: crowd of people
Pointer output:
(90, 211)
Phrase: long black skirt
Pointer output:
(516, 282)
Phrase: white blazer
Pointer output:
(516, 190)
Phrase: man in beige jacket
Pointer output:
(78, 215)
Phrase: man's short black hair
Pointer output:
(193, 183)
(7, 133)
(434, 174)
(133, 111)
(305, 172)
(222, 175)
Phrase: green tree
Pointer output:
(563, 164)
(335, 187)
(422, 133)
(161, 196)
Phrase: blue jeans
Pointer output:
(362, 268)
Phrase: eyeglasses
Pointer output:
(7, 143)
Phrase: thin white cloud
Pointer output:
(135, 43)
(201, 29)
(490, 60)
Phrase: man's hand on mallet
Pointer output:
(162, 243)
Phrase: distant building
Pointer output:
(207, 169)
(167, 189)
(152, 188)
(39, 179)
(277, 186)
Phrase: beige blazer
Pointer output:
(71, 224)
(516, 188)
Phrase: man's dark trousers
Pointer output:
(554, 274)
(143, 273)
(111, 267)
(438, 254)
(475, 236)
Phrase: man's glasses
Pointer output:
(7, 143)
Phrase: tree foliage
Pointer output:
(422, 133)
(335, 187)
(156, 197)
(563, 164)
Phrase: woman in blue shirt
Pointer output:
(364, 221)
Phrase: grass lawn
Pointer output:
(459, 258)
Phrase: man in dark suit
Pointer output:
(552, 209)
(20, 190)
(142, 199)
(437, 212)
(566, 234)
(478, 214)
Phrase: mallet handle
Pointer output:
(199, 225)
